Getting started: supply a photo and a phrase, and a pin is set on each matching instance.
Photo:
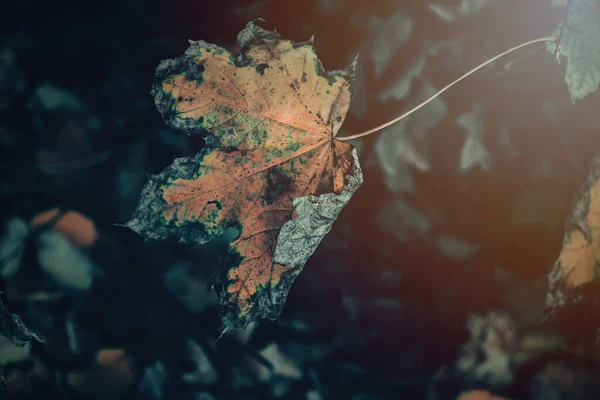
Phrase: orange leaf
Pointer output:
(109, 378)
(579, 258)
(479, 395)
(273, 167)
(77, 228)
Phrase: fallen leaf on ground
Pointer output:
(77, 228)
(480, 395)
(109, 378)
(272, 168)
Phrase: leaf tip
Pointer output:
(252, 32)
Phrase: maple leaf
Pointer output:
(579, 41)
(579, 259)
(272, 168)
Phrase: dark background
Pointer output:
(381, 308)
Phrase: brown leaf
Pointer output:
(479, 395)
(579, 258)
(273, 167)
(77, 228)
(109, 378)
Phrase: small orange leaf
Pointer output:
(109, 378)
(480, 395)
(77, 228)
(273, 167)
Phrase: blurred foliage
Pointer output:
(382, 305)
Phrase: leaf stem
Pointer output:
(412, 110)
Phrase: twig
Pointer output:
(409, 112)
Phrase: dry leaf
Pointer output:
(480, 395)
(579, 258)
(109, 378)
(77, 228)
(273, 168)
